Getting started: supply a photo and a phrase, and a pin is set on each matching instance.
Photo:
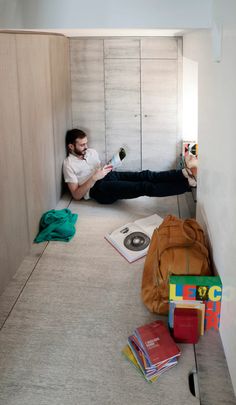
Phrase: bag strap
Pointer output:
(190, 241)
(199, 244)
(156, 259)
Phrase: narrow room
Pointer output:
(142, 94)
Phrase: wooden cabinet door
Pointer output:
(122, 99)
(159, 94)
(87, 82)
(161, 67)
(122, 93)
(14, 241)
(61, 97)
(36, 125)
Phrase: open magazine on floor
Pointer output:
(132, 240)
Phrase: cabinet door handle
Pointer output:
(145, 115)
(136, 115)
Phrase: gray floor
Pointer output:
(68, 312)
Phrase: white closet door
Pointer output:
(122, 104)
(159, 89)
(87, 83)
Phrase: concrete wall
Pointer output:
(217, 145)
(108, 14)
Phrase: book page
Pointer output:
(148, 224)
(119, 233)
(130, 240)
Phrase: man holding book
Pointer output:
(87, 179)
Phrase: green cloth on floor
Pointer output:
(57, 225)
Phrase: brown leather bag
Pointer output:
(177, 247)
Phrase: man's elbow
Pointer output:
(75, 191)
(76, 196)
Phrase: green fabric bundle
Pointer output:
(57, 225)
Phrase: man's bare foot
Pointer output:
(191, 164)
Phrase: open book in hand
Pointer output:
(116, 160)
(132, 240)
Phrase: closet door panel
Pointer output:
(122, 48)
(159, 48)
(60, 79)
(159, 113)
(87, 81)
(14, 241)
(122, 89)
(37, 126)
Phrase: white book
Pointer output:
(116, 160)
(133, 239)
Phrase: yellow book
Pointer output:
(127, 352)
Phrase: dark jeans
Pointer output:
(125, 185)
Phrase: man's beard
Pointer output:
(80, 154)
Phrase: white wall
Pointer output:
(44, 14)
(11, 14)
(190, 100)
(217, 145)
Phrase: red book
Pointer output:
(186, 325)
(157, 342)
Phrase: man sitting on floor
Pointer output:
(87, 179)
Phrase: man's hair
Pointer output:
(74, 134)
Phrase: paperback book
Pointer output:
(127, 352)
(153, 349)
(132, 240)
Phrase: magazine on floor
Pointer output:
(132, 240)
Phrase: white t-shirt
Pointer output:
(78, 171)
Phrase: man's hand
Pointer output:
(78, 191)
(102, 172)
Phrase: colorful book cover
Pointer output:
(157, 343)
(152, 371)
(203, 288)
(189, 148)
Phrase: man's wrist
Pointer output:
(93, 180)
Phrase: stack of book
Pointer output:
(152, 350)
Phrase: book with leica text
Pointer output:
(207, 289)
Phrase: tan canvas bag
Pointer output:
(177, 247)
